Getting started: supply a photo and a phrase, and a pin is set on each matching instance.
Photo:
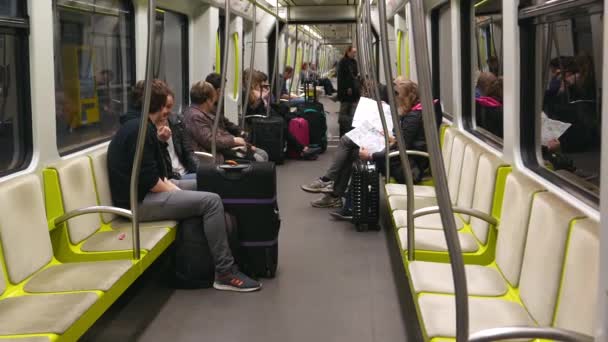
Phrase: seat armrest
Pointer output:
(509, 333)
(98, 209)
(467, 211)
(409, 153)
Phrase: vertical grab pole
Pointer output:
(220, 104)
(405, 163)
(295, 60)
(251, 65)
(443, 196)
(375, 81)
(143, 126)
(275, 65)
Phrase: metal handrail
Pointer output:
(143, 127)
(98, 209)
(376, 88)
(437, 168)
(275, 65)
(405, 163)
(460, 210)
(251, 65)
(504, 333)
(295, 60)
(410, 153)
(220, 103)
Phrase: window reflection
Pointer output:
(571, 97)
(488, 109)
(94, 70)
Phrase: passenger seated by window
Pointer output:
(199, 117)
(164, 199)
(334, 183)
(325, 82)
(488, 106)
(257, 105)
(293, 100)
(180, 161)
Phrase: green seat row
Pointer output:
(539, 265)
(56, 281)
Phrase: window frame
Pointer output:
(436, 57)
(19, 27)
(131, 26)
(530, 148)
(467, 14)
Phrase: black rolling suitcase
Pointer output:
(314, 112)
(194, 267)
(365, 192)
(248, 191)
(267, 134)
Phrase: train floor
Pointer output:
(333, 284)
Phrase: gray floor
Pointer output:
(333, 284)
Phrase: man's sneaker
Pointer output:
(319, 186)
(342, 214)
(236, 281)
(327, 201)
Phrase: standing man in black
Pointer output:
(348, 89)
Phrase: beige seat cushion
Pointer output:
(26, 339)
(513, 227)
(79, 276)
(78, 191)
(42, 314)
(24, 232)
(544, 255)
(400, 202)
(121, 223)
(400, 190)
(434, 240)
(109, 240)
(432, 221)
(438, 314)
(99, 163)
(577, 309)
(437, 277)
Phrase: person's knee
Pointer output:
(213, 202)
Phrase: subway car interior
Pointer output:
(361, 170)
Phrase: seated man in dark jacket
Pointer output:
(334, 183)
(163, 199)
(180, 161)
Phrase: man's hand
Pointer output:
(349, 91)
(164, 133)
(239, 141)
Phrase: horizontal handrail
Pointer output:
(466, 211)
(203, 154)
(409, 153)
(97, 209)
(504, 333)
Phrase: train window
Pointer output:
(482, 74)
(15, 115)
(442, 58)
(172, 54)
(94, 70)
(562, 61)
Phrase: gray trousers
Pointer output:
(345, 117)
(179, 205)
(341, 168)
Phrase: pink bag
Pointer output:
(298, 127)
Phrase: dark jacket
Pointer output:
(348, 74)
(412, 129)
(182, 146)
(121, 153)
(199, 126)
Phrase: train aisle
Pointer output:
(333, 284)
